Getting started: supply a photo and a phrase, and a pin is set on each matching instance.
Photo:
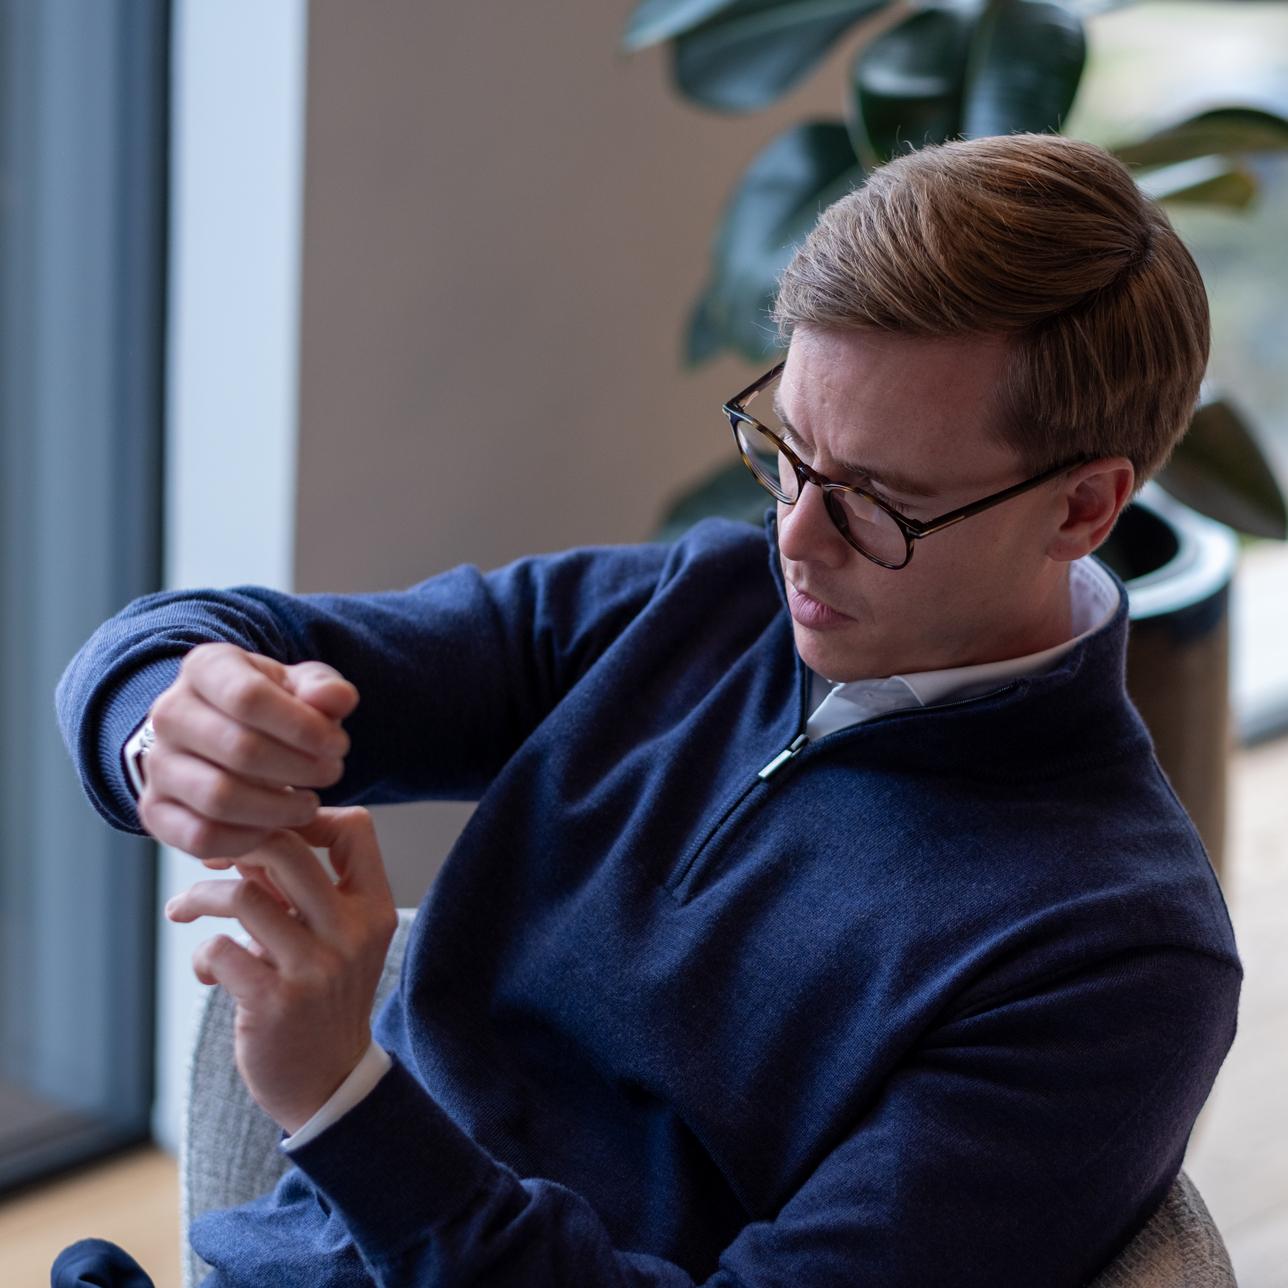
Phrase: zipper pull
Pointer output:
(783, 757)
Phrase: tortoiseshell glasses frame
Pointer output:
(912, 529)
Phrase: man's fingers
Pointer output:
(221, 796)
(349, 835)
(222, 960)
(250, 689)
(286, 941)
(252, 871)
(292, 869)
(175, 824)
(187, 721)
(323, 687)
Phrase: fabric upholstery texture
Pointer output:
(228, 1155)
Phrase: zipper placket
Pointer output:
(793, 750)
(685, 866)
(796, 747)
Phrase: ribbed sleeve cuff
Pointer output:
(396, 1165)
(366, 1074)
(120, 717)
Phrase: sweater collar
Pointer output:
(1073, 708)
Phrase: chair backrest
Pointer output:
(228, 1155)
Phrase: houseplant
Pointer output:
(940, 69)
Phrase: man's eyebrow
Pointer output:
(884, 478)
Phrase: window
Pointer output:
(83, 106)
(1151, 62)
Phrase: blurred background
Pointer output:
(328, 296)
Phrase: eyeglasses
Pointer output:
(870, 524)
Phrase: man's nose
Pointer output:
(806, 533)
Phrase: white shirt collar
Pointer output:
(1093, 600)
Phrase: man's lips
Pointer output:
(809, 611)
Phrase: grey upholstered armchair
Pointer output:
(228, 1154)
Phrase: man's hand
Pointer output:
(305, 988)
(238, 738)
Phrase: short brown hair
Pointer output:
(1045, 241)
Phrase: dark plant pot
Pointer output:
(1178, 567)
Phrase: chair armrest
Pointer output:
(1178, 1247)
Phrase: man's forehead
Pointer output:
(884, 474)
(932, 396)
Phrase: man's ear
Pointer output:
(1088, 505)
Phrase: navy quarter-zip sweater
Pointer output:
(936, 1002)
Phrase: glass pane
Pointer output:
(82, 152)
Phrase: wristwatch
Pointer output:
(136, 747)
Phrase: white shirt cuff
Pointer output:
(369, 1070)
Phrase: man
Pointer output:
(825, 917)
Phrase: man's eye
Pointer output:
(805, 452)
(795, 444)
(900, 510)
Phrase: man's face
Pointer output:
(981, 590)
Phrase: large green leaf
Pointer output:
(750, 52)
(656, 20)
(773, 208)
(1210, 181)
(1219, 131)
(704, 336)
(1025, 65)
(1220, 469)
(906, 86)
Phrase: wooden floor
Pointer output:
(132, 1200)
(1238, 1156)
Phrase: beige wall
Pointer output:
(506, 221)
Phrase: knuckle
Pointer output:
(218, 796)
(246, 895)
(162, 709)
(218, 947)
(319, 773)
(200, 837)
(169, 715)
(242, 696)
(157, 771)
(147, 810)
(201, 655)
(239, 747)
(210, 954)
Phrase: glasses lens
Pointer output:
(766, 462)
(869, 526)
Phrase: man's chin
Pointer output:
(831, 653)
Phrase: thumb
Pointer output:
(323, 687)
(348, 834)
